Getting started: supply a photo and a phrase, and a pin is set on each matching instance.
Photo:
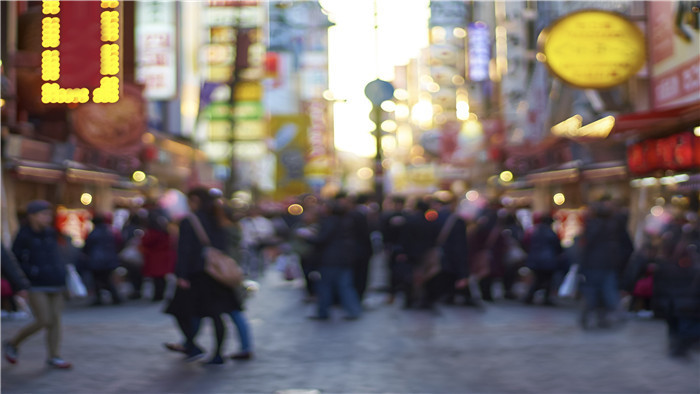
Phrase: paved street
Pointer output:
(507, 348)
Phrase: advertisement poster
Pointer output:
(289, 142)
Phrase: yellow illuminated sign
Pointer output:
(593, 49)
(108, 91)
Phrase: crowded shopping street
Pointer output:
(366, 196)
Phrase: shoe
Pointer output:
(242, 356)
(11, 353)
(59, 363)
(194, 355)
(217, 360)
(175, 347)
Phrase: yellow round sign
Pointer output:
(593, 49)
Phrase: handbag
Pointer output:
(75, 285)
(431, 261)
(217, 264)
(131, 253)
(570, 283)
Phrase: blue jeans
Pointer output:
(599, 290)
(243, 331)
(337, 280)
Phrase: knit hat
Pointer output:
(35, 206)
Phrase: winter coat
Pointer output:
(101, 249)
(39, 257)
(158, 251)
(336, 242)
(606, 244)
(544, 250)
(454, 248)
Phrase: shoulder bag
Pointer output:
(223, 268)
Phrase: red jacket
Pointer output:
(158, 251)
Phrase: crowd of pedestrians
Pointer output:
(434, 254)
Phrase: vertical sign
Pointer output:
(156, 64)
(479, 51)
(81, 56)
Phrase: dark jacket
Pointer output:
(544, 250)
(606, 244)
(12, 271)
(190, 258)
(39, 257)
(336, 241)
(454, 248)
(101, 249)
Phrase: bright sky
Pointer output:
(403, 31)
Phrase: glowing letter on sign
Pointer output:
(81, 56)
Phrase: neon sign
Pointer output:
(81, 55)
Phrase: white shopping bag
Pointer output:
(569, 284)
(75, 285)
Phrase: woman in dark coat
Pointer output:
(198, 295)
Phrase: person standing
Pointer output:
(158, 249)
(36, 249)
(606, 247)
(392, 226)
(100, 250)
(544, 254)
(337, 248)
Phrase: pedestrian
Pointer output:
(676, 288)
(36, 249)
(544, 256)
(197, 294)
(130, 255)
(337, 248)
(606, 247)
(100, 251)
(421, 232)
(309, 256)
(230, 224)
(360, 212)
(451, 280)
(393, 220)
(158, 249)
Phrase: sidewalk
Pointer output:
(508, 348)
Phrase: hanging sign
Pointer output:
(593, 49)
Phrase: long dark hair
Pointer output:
(207, 199)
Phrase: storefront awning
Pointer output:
(657, 122)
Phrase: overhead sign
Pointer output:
(81, 56)
(593, 49)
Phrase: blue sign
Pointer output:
(479, 51)
(379, 91)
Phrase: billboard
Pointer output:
(674, 45)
